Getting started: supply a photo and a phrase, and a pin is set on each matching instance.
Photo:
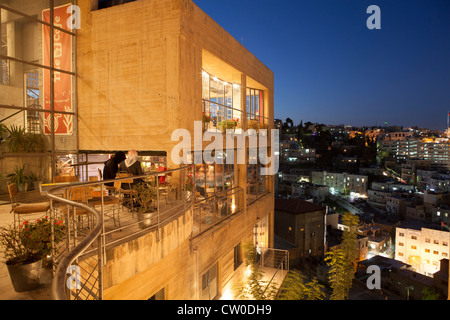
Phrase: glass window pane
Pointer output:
(220, 93)
(213, 82)
(228, 88)
(256, 97)
(237, 97)
(261, 103)
(205, 85)
(248, 102)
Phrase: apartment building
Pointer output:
(133, 74)
(301, 223)
(422, 246)
(436, 150)
(341, 182)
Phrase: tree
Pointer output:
(430, 294)
(341, 261)
(295, 287)
(255, 288)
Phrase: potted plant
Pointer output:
(146, 194)
(25, 248)
(16, 141)
(34, 180)
(34, 142)
(19, 178)
(254, 124)
(3, 132)
(228, 124)
(206, 119)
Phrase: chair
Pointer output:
(82, 195)
(162, 178)
(111, 189)
(127, 196)
(20, 209)
(108, 200)
(164, 186)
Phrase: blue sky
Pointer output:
(330, 68)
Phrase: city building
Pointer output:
(399, 279)
(422, 246)
(129, 77)
(342, 183)
(301, 223)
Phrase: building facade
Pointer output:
(421, 247)
(341, 182)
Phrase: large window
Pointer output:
(255, 107)
(221, 101)
(212, 178)
(37, 86)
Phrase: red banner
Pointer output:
(62, 43)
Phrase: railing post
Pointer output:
(103, 224)
(101, 247)
(157, 204)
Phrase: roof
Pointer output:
(297, 206)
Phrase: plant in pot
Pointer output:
(25, 248)
(206, 119)
(3, 132)
(228, 124)
(34, 180)
(145, 196)
(254, 124)
(19, 178)
(16, 141)
(34, 142)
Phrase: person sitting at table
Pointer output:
(112, 166)
(132, 166)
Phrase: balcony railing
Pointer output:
(277, 260)
(97, 216)
(210, 211)
(258, 189)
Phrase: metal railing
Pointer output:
(81, 255)
(258, 189)
(276, 259)
(212, 210)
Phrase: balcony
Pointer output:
(99, 221)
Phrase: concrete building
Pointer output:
(421, 245)
(301, 223)
(341, 183)
(399, 279)
(135, 73)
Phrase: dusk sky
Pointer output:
(330, 68)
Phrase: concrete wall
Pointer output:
(139, 72)
(140, 268)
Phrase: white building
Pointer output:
(421, 247)
(342, 183)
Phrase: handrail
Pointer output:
(58, 285)
(59, 281)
